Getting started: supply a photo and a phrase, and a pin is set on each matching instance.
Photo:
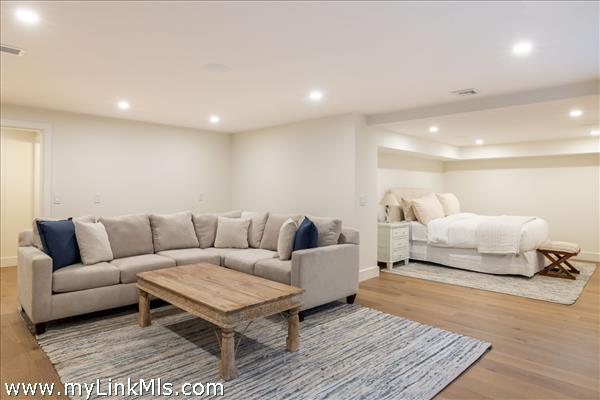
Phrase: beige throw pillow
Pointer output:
(285, 241)
(409, 214)
(329, 229)
(205, 226)
(129, 235)
(258, 221)
(93, 243)
(449, 203)
(427, 208)
(232, 233)
(272, 229)
(173, 231)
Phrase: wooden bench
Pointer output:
(559, 253)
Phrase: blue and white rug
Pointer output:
(346, 352)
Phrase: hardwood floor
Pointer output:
(540, 350)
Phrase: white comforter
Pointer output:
(488, 234)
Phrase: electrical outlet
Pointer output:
(362, 201)
(201, 197)
(97, 198)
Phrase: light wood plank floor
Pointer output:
(540, 350)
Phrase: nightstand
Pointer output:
(393, 243)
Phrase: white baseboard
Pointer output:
(368, 273)
(589, 256)
(8, 261)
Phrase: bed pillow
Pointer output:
(93, 243)
(449, 203)
(60, 242)
(329, 229)
(173, 231)
(258, 221)
(409, 214)
(427, 208)
(285, 241)
(232, 233)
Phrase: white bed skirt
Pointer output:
(526, 264)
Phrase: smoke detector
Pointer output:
(465, 92)
(15, 51)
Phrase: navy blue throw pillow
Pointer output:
(307, 235)
(60, 243)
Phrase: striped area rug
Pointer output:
(346, 352)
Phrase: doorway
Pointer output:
(20, 187)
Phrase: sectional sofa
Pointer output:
(327, 273)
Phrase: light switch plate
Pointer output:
(57, 199)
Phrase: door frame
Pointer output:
(45, 159)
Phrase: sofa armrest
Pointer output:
(26, 238)
(34, 283)
(325, 273)
(349, 236)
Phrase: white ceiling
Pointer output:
(368, 57)
(523, 123)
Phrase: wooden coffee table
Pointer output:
(223, 297)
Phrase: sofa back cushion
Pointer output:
(129, 235)
(59, 241)
(307, 235)
(93, 243)
(232, 233)
(258, 221)
(205, 226)
(173, 231)
(272, 228)
(37, 242)
(329, 230)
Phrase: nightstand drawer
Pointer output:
(400, 254)
(400, 233)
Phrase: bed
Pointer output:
(459, 241)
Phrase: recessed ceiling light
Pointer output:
(315, 95)
(123, 105)
(576, 113)
(214, 119)
(27, 16)
(479, 142)
(522, 48)
(433, 129)
(595, 132)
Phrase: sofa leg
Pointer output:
(350, 299)
(301, 316)
(40, 328)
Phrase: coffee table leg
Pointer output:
(228, 368)
(144, 317)
(293, 338)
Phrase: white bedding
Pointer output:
(493, 235)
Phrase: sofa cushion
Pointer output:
(191, 256)
(272, 227)
(205, 226)
(130, 266)
(221, 252)
(37, 241)
(60, 242)
(285, 243)
(244, 260)
(257, 226)
(80, 277)
(274, 269)
(129, 235)
(92, 239)
(173, 231)
(232, 232)
(307, 235)
(329, 230)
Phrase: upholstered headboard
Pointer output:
(408, 193)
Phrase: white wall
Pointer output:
(20, 197)
(134, 166)
(399, 170)
(564, 190)
(321, 167)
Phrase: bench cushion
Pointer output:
(561, 247)
(274, 269)
(130, 266)
(244, 260)
(80, 277)
(191, 256)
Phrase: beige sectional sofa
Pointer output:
(326, 273)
